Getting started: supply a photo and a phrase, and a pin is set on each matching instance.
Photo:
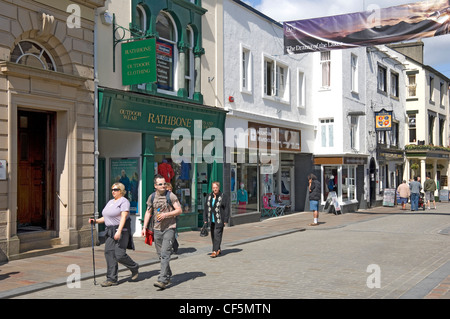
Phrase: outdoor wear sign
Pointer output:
(383, 120)
(374, 27)
(139, 62)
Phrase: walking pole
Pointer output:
(93, 258)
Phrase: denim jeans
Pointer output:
(414, 201)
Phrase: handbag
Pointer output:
(149, 237)
(204, 230)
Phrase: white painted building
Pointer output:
(427, 108)
(262, 88)
(349, 88)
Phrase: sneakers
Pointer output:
(109, 283)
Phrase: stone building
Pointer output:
(47, 94)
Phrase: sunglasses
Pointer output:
(115, 189)
(160, 184)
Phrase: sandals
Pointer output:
(313, 224)
(214, 254)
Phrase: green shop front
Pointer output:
(141, 135)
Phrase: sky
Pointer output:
(436, 49)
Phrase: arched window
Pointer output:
(166, 54)
(32, 54)
(141, 18)
(164, 27)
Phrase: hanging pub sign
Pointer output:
(383, 120)
(139, 62)
(372, 27)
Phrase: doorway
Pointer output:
(372, 182)
(36, 160)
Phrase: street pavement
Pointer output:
(378, 253)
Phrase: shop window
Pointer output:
(330, 181)
(32, 54)
(348, 183)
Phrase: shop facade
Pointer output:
(141, 135)
(343, 175)
(266, 167)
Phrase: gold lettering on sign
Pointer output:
(130, 115)
(169, 120)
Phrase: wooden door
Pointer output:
(33, 159)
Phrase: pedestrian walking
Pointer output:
(415, 189)
(118, 237)
(314, 198)
(175, 242)
(164, 207)
(429, 187)
(216, 213)
(404, 193)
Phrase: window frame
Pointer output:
(276, 77)
(325, 66)
(382, 79)
(175, 62)
(246, 62)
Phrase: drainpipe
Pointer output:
(96, 153)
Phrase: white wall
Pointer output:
(262, 37)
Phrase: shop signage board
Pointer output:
(139, 62)
(152, 115)
(287, 139)
(389, 197)
(383, 120)
(444, 195)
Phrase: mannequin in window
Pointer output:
(242, 199)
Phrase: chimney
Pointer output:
(413, 50)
